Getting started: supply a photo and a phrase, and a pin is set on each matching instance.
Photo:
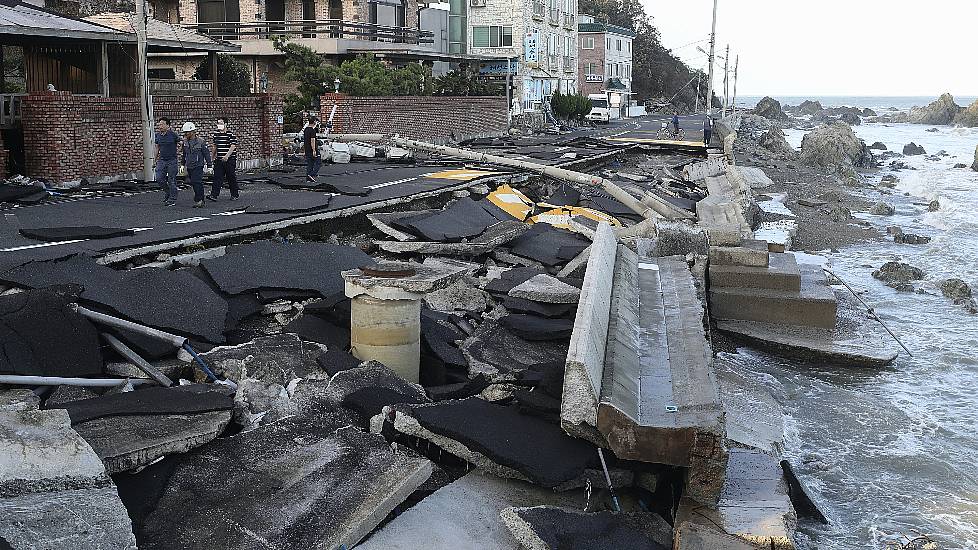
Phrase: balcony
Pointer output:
(569, 21)
(326, 28)
(569, 64)
(539, 10)
(555, 16)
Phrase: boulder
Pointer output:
(878, 146)
(851, 119)
(809, 107)
(893, 273)
(934, 206)
(912, 149)
(770, 108)
(942, 111)
(974, 165)
(910, 238)
(835, 147)
(968, 117)
(773, 140)
(956, 289)
(882, 209)
(868, 112)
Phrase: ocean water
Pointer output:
(878, 104)
(892, 453)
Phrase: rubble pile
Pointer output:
(526, 363)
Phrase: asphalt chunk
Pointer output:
(549, 245)
(193, 399)
(532, 327)
(55, 234)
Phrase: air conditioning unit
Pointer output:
(477, 3)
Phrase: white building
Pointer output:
(536, 40)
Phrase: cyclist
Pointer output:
(675, 123)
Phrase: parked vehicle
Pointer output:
(599, 109)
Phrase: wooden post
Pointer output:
(104, 68)
(213, 58)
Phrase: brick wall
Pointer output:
(431, 118)
(596, 57)
(69, 137)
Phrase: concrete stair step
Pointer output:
(782, 273)
(749, 252)
(813, 305)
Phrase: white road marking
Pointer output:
(389, 183)
(190, 220)
(41, 245)
(230, 213)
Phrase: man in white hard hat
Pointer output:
(195, 155)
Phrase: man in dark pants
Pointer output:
(195, 155)
(166, 161)
(313, 160)
(224, 149)
(675, 123)
(707, 131)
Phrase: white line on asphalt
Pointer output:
(389, 183)
(190, 220)
(41, 245)
(230, 213)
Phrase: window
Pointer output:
(161, 74)
(590, 68)
(607, 43)
(587, 43)
(492, 36)
(619, 44)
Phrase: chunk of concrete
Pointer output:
(692, 536)
(299, 482)
(459, 296)
(18, 400)
(129, 442)
(465, 514)
(754, 418)
(494, 349)
(80, 519)
(43, 453)
(547, 289)
(552, 528)
(739, 255)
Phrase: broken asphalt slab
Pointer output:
(462, 219)
(549, 245)
(478, 431)
(169, 300)
(55, 234)
(293, 483)
(41, 335)
(280, 266)
(552, 528)
(534, 328)
(493, 348)
(464, 515)
(193, 399)
(81, 519)
(546, 289)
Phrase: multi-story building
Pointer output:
(535, 41)
(340, 29)
(605, 61)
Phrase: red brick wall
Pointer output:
(431, 118)
(596, 56)
(69, 137)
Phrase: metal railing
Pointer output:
(160, 87)
(569, 19)
(555, 16)
(10, 108)
(321, 28)
(539, 9)
(569, 64)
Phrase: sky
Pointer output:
(831, 47)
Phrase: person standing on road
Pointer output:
(195, 155)
(166, 160)
(313, 159)
(224, 149)
(675, 123)
(707, 131)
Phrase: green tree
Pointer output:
(233, 78)
(462, 83)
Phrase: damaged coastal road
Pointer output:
(463, 367)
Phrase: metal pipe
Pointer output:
(26, 380)
(177, 341)
(869, 309)
(135, 359)
(607, 477)
(203, 366)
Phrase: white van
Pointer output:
(599, 109)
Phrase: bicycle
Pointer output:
(665, 133)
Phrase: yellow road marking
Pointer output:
(463, 175)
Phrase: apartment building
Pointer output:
(535, 41)
(605, 61)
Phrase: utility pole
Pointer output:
(713, 42)
(736, 66)
(726, 80)
(145, 100)
(697, 109)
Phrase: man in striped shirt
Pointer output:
(224, 147)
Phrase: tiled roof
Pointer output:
(159, 33)
(601, 27)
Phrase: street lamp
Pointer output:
(336, 85)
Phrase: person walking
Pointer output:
(195, 155)
(675, 123)
(313, 159)
(224, 149)
(707, 131)
(166, 161)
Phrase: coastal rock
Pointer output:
(882, 209)
(835, 147)
(968, 117)
(770, 108)
(898, 274)
(774, 140)
(912, 149)
(851, 119)
(878, 146)
(942, 111)
(956, 289)
(960, 165)
(934, 206)
(889, 180)
(867, 112)
(840, 214)
(910, 238)
(809, 107)
(974, 166)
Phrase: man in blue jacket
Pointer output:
(166, 160)
(195, 155)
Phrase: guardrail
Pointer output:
(320, 28)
